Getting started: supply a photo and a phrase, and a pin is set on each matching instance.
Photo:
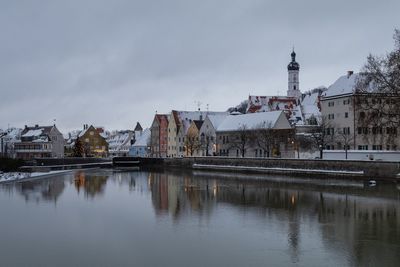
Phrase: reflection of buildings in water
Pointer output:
(135, 180)
(344, 221)
(47, 189)
(177, 195)
(362, 225)
(91, 184)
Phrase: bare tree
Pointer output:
(206, 142)
(378, 89)
(265, 137)
(322, 135)
(241, 139)
(192, 143)
(344, 137)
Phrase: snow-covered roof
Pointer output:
(33, 132)
(344, 85)
(41, 139)
(251, 121)
(309, 106)
(143, 138)
(118, 140)
(186, 117)
(217, 119)
(12, 134)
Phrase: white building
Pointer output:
(208, 133)
(40, 142)
(7, 140)
(235, 135)
(293, 78)
(141, 147)
(354, 124)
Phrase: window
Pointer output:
(362, 114)
(91, 133)
(346, 101)
(331, 116)
(363, 147)
(346, 130)
(331, 103)
(346, 114)
(376, 147)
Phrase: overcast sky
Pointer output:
(112, 63)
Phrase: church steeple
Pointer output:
(293, 65)
(293, 77)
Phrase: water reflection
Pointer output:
(41, 190)
(91, 185)
(356, 221)
(358, 224)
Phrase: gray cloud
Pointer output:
(113, 63)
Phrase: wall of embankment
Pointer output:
(47, 164)
(301, 167)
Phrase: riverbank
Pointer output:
(347, 169)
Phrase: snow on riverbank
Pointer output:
(18, 176)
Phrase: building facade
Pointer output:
(264, 134)
(159, 136)
(119, 143)
(94, 141)
(40, 142)
(208, 134)
(141, 147)
(359, 121)
(7, 140)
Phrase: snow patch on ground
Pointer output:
(18, 176)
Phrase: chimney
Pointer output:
(349, 73)
(36, 125)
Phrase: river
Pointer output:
(173, 218)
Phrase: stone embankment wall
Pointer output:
(47, 164)
(361, 169)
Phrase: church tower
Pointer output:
(293, 77)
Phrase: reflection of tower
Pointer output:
(294, 228)
(293, 78)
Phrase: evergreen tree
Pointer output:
(78, 148)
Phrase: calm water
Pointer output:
(120, 218)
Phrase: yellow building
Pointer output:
(94, 144)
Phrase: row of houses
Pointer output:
(197, 133)
(48, 142)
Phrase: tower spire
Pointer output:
(293, 77)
